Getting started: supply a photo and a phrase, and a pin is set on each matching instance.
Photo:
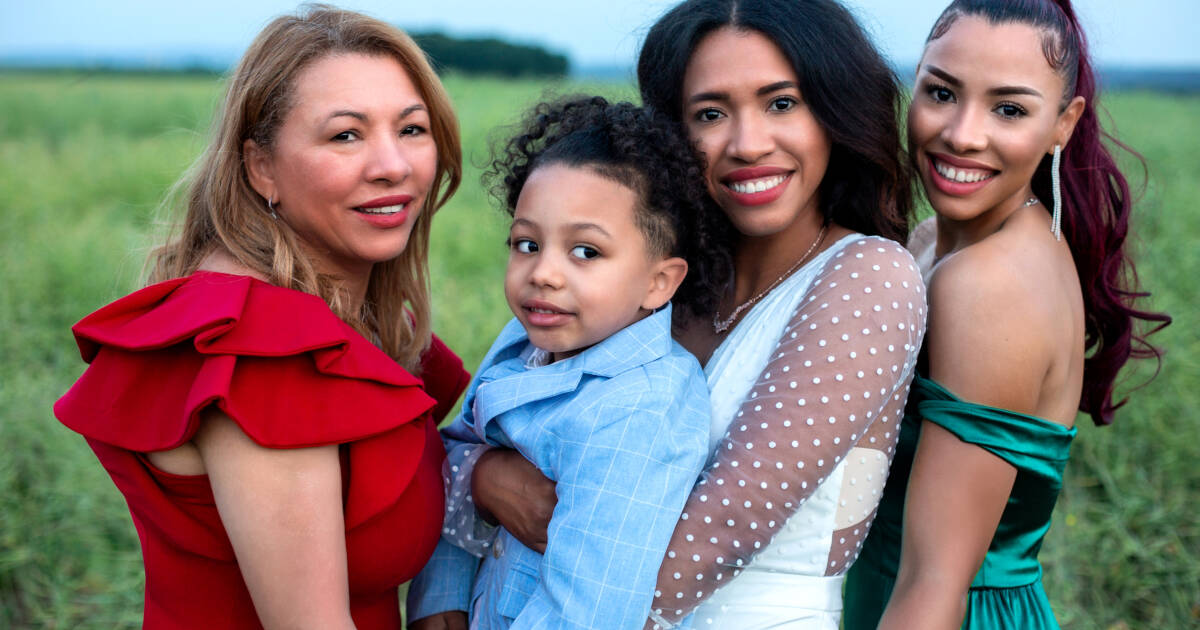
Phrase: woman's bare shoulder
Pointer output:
(991, 329)
(1008, 267)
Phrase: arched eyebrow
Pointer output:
(415, 107)
(360, 116)
(762, 91)
(775, 87)
(1000, 90)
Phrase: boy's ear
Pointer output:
(666, 277)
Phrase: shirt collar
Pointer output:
(637, 344)
(535, 357)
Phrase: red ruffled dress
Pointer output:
(291, 374)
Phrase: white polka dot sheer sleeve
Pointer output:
(833, 390)
(462, 525)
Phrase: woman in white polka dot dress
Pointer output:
(812, 350)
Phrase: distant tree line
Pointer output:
(489, 55)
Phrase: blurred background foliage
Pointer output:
(490, 55)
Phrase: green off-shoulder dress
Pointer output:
(1007, 592)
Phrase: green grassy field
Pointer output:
(86, 160)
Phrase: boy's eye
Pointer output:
(584, 252)
(525, 246)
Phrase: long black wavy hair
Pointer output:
(851, 90)
(645, 150)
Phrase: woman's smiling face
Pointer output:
(765, 151)
(353, 162)
(987, 107)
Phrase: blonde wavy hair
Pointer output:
(224, 212)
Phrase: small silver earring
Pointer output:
(271, 207)
(1056, 191)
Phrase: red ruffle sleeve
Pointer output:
(291, 374)
(277, 361)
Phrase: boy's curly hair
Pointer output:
(646, 151)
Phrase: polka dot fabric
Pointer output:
(462, 526)
(831, 394)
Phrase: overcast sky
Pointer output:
(590, 32)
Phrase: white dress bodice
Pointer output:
(807, 393)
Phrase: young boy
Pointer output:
(586, 382)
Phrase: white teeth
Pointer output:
(962, 176)
(383, 209)
(757, 185)
(542, 310)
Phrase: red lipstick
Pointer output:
(390, 200)
(774, 178)
(389, 219)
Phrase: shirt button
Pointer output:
(497, 549)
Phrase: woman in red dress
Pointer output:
(268, 407)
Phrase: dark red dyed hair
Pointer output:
(1096, 201)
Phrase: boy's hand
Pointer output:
(449, 620)
(509, 489)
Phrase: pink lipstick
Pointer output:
(957, 176)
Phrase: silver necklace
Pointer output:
(721, 325)
(1031, 201)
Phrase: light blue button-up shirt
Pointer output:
(622, 428)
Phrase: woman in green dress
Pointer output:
(1031, 316)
